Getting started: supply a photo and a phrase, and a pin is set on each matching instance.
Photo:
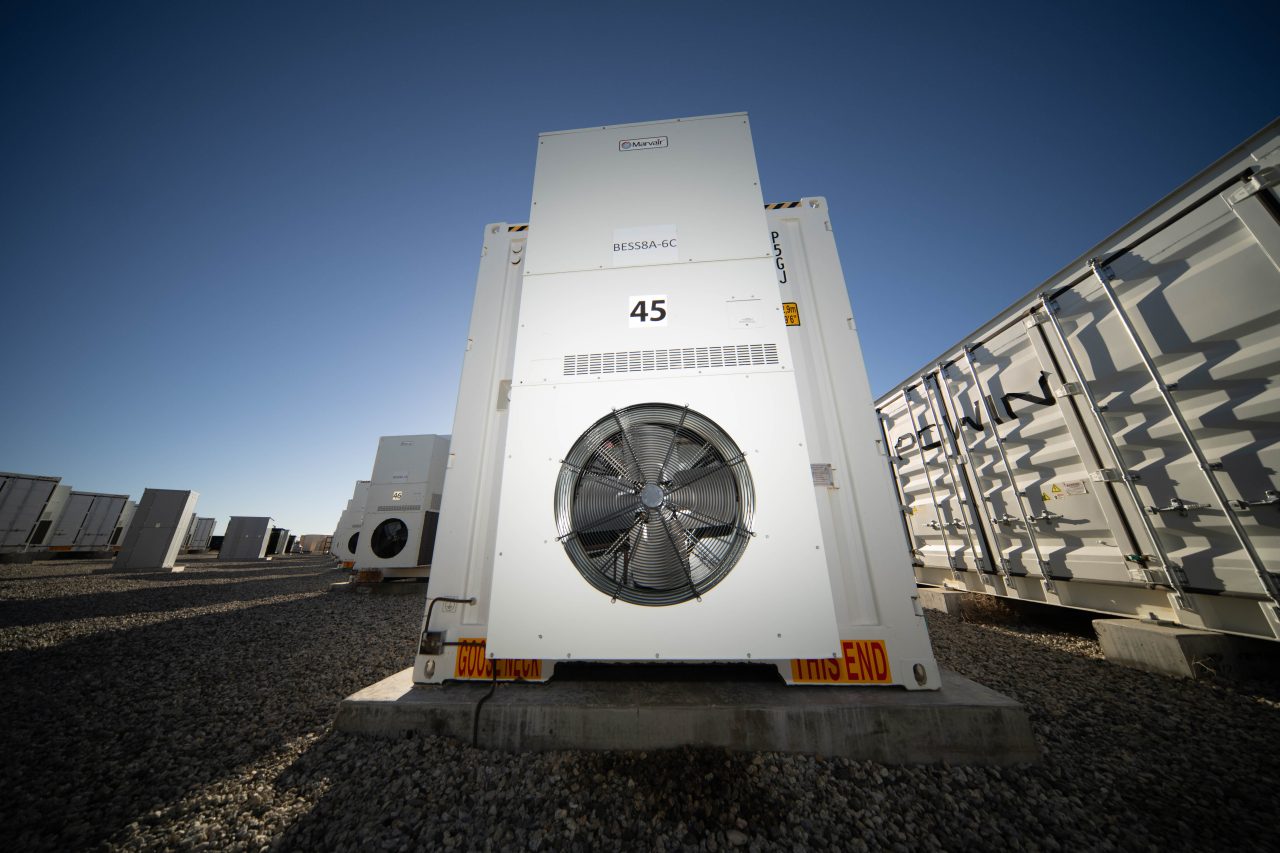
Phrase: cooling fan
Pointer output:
(654, 504)
(389, 538)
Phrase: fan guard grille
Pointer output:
(654, 504)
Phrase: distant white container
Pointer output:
(22, 500)
(155, 531)
(246, 538)
(87, 522)
(201, 533)
(1111, 441)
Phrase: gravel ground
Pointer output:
(193, 711)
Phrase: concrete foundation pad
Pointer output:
(1174, 650)
(961, 723)
(384, 588)
(946, 600)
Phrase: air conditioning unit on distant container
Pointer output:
(347, 535)
(398, 531)
(653, 462)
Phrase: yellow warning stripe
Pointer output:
(517, 227)
(781, 204)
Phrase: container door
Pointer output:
(943, 531)
(1202, 299)
(1045, 500)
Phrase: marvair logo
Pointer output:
(649, 142)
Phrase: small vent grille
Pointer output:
(682, 358)
(400, 508)
(822, 475)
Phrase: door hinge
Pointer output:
(1263, 179)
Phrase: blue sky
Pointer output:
(240, 239)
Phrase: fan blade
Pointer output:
(598, 507)
(711, 501)
(655, 562)
(650, 443)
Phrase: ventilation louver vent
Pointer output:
(680, 358)
(654, 504)
(400, 508)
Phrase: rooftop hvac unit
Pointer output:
(641, 471)
(49, 516)
(346, 538)
(122, 523)
(156, 529)
(201, 533)
(87, 522)
(398, 529)
(22, 500)
(245, 538)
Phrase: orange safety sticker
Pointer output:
(472, 663)
(861, 662)
(791, 312)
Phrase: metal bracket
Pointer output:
(1003, 519)
(1111, 475)
(1177, 505)
(1264, 179)
(1035, 318)
(1269, 498)
(1046, 517)
(432, 643)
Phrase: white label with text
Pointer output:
(645, 244)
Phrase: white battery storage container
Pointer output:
(155, 532)
(1111, 441)
(245, 539)
(677, 234)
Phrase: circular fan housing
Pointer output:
(389, 538)
(353, 541)
(654, 504)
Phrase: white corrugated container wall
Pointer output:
(1111, 441)
(22, 500)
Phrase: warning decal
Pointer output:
(792, 313)
(471, 663)
(861, 662)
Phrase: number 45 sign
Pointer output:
(648, 311)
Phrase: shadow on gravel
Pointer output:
(156, 600)
(1132, 761)
(104, 730)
